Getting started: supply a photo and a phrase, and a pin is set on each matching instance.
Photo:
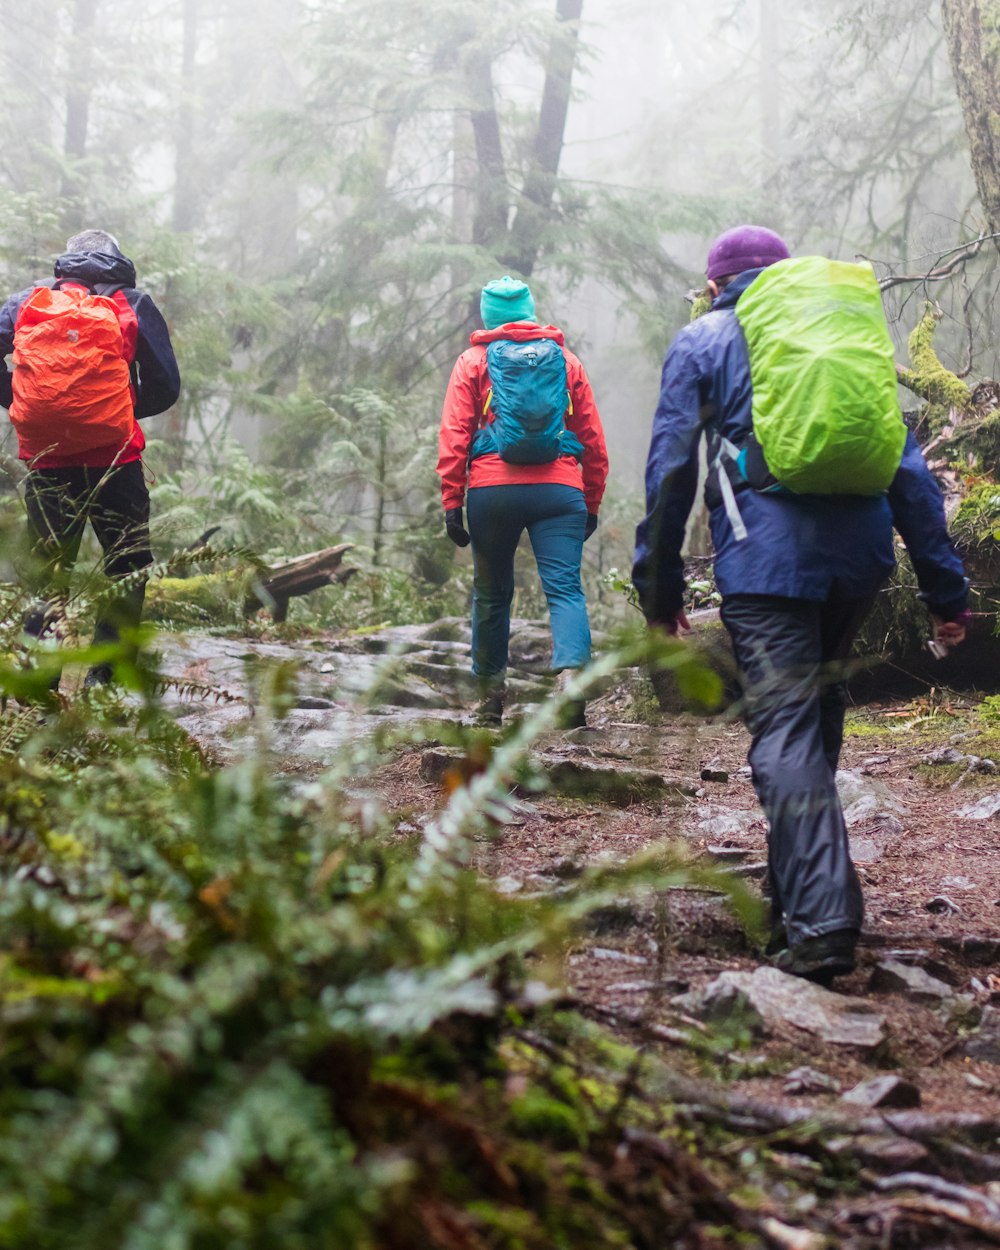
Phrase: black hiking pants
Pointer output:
(59, 504)
(791, 655)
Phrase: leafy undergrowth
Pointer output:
(236, 1013)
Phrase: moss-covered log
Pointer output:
(229, 596)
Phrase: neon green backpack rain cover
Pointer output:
(822, 365)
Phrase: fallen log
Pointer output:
(299, 576)
(224, 596)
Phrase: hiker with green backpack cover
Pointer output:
(791, 379)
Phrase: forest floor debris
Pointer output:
(803, 1097)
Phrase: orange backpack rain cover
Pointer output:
(71, 384)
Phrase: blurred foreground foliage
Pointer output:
(238, 1010)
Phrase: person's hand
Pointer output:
(950, 633)
(457, 532)
(671, 624)
(590, 526)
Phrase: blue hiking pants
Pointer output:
(555, 517)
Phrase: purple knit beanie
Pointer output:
(744, 247)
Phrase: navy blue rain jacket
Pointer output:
(811, 547)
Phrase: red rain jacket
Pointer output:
(463, 416)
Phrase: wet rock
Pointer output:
(866, 850)
(973, 948)
(621, 787)
(729, 854)
(941, 905)
(915, 957)
(884, 1091)
(969, 763)
(755, 871)
(566, 868)
(864, 798)
(891, 977)
(609, 955)
(942, 756)
(435, 762)
(810, 1081)
(982, 809)
(721, 822)
(770, 1000)
(985, 1042)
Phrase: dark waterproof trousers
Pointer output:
(59, 504)
(791, 655)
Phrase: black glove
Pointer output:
(590, 526)
(457, 532)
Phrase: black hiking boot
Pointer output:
(820, 959)
(99, 675)
(488, 712)
(574, 711)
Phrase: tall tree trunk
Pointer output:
(185, 181)
(464, 180)
(79, 89)
(489, 227)
(771, 26)
(973, 33)
(535, 208)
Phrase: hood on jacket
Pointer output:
(110, 268)
(728, 296)
(519, 332)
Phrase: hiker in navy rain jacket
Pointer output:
(103, 484)
(794, 594)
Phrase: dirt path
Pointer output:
(932, 887)
(674, 974)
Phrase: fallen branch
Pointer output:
(300, 576)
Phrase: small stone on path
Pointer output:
(884, 1091)
(983, 809)
(985, 1042)
(893, 977)
(941, 905)
(810, 1081)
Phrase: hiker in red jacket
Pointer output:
(514, 475)
(91, 357)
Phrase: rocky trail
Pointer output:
(896, 1069)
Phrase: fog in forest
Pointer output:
(315, 192)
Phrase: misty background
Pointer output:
(314, 192)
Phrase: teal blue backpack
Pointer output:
(529, 400)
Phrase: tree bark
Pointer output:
(185, 182)
(535, 209)
(78, 93)
(489, 226)
(973, 32)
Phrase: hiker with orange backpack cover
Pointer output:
(91, 357)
